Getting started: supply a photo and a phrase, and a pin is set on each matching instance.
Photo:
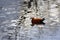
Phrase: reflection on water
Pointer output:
(8, 16)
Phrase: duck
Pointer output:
(37, 21)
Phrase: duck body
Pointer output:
(37, 21)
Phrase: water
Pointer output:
(9, 13)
